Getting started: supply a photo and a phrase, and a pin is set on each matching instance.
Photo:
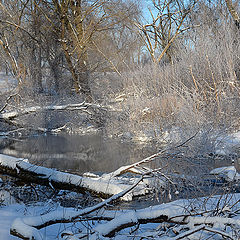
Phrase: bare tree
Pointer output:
(168, 21)
(79, 26)
(233, 12)
(76, 37)
(9, 40)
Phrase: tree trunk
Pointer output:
(100, 186)
(71, 35)
(36, 54)
(233, 13)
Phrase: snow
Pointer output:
(25, 225)
(175, 211)
(7, 216)
(24, 217)
(17, 216)
(8, 161)
(98, 184)
(12, 217)
(228, 173)
(225, 144)
(6, 198)
(26, 231)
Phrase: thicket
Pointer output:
(169, 68)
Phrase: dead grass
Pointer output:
(199, 92)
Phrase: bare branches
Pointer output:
(132, 167)
(173, 212)
(165, 27)
(17, 26)
(11, 58)
(41, 31)
(233, 12)
(7, 101)
(20, 225)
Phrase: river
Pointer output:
(76, 153)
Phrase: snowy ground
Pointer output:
(225, 221)
(213, 215)
(25, 208)
(11, 212)
(224, 213)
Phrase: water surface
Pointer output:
(95, 153)
(76, 153)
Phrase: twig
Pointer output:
(7, 101)
(218, 232)
(189, 232)
(29, 228)
(151, 158)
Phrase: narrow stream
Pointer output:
(76, 153)
(95, 153)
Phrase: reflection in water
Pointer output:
(77, 154)
(94, 153)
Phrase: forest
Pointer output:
(157, 81)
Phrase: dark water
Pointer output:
(76, 153)
(94, 153)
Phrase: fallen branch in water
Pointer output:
(30, 173)
(11, 117)
(134, 168)
(71, 107)
(41, 130)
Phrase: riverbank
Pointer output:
(64, 214)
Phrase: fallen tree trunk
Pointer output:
(184, 214)
(71, 107)
(29, 173)
(95, 111)
(169, 212)
(26, 228)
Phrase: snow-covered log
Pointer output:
(27, 228)
(165, 213)
(228, 173)
(28, 172)
(71, 107)
(184, 213)
(185, 218)
(12, 118)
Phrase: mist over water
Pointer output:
(77, 153)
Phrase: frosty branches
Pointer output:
(12, 117)
(71, 107)
(184, 219)
(26, 228)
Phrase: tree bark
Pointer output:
(233, 13)
(73, 44)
